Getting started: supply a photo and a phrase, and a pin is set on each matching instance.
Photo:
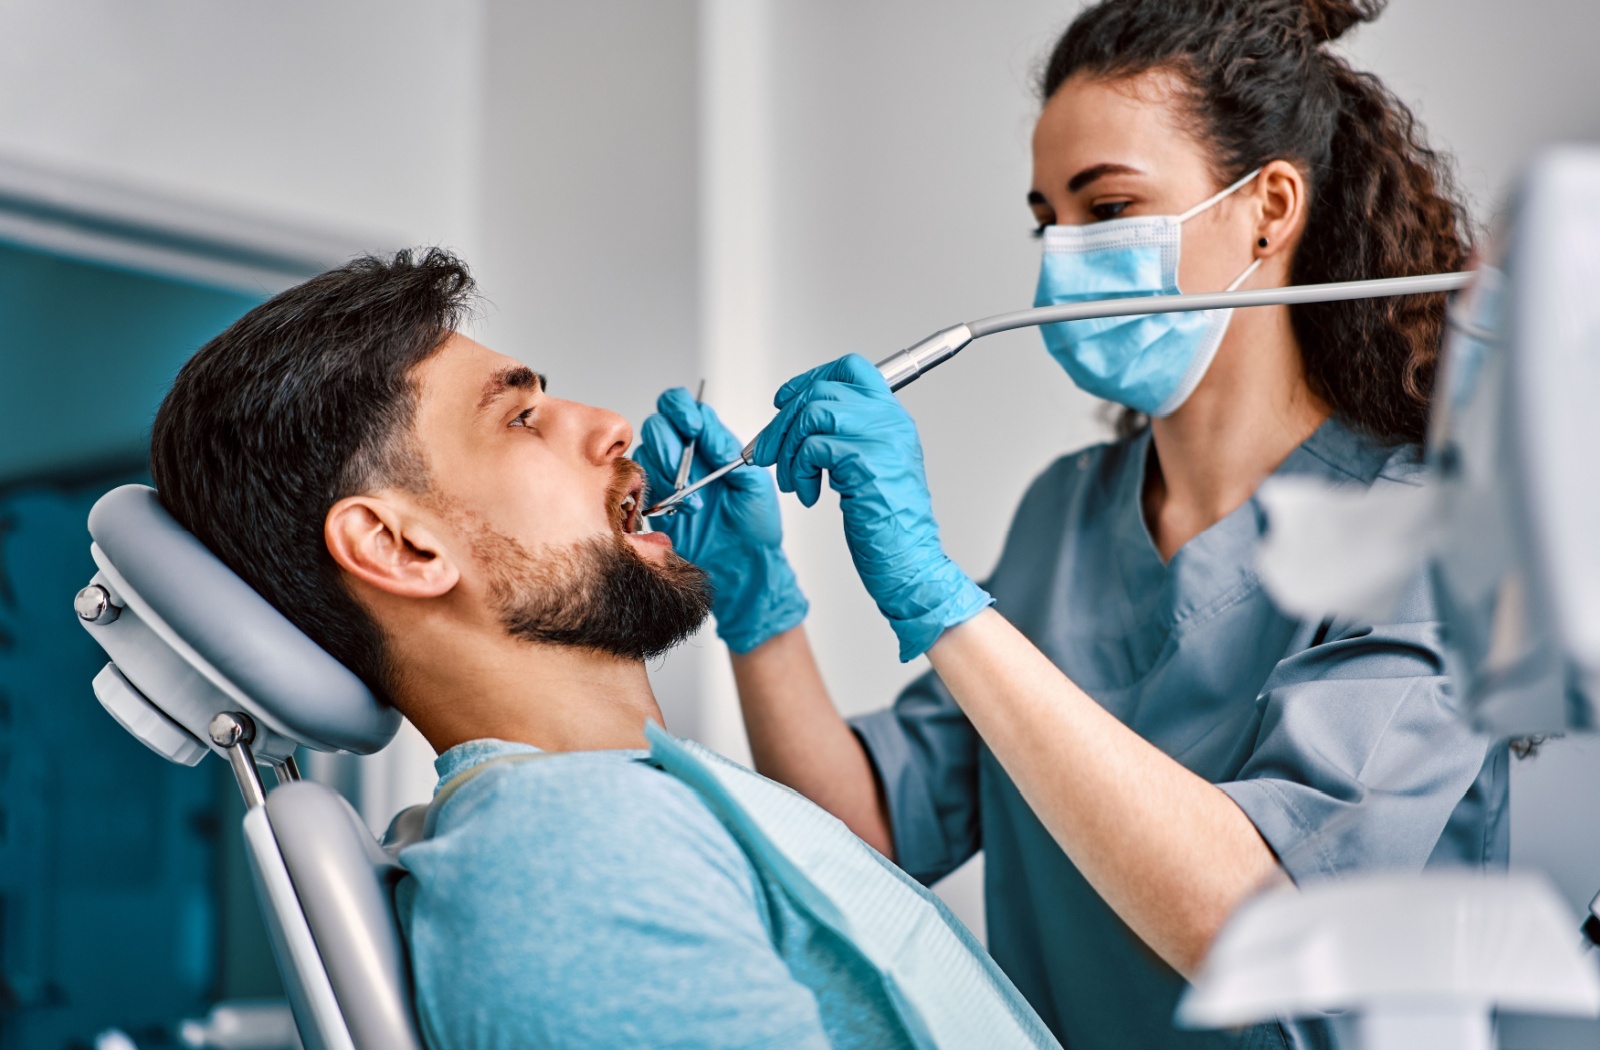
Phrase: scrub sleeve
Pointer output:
(1361, 760)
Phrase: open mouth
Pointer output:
(628, 517)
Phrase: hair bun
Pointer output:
(1330, 19)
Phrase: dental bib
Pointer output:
(948, 991)
(945, 988)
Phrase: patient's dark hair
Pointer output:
(303, 401)
(1261, 83)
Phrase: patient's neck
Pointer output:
(553, 697)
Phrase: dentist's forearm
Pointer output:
(1170, 852)
(798, 738)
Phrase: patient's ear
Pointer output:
(385, 545)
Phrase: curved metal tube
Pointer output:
(906, 366)
(1165, 304)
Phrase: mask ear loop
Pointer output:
(1216, 198)
(1224, 195)
(1243, 277)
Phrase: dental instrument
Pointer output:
(687, 458)
(904, 367)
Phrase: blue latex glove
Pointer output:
(731, 528)
(843, 418)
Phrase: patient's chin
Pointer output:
(611, 594)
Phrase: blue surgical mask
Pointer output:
(1153, 362)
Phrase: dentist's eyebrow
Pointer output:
(1088, 175)
(515, 377)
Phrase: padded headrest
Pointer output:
(293, 682)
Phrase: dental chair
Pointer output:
(201, 663)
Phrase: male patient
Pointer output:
(464, 541)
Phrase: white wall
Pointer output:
(1491, 80)
(589, 187)
(359, 115)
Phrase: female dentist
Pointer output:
(1120, 718)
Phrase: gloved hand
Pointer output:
(731, 528)
(842, 418)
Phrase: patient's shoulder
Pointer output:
(572, 792)
(595, 816)
(593, 900)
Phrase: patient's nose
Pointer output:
(609, 435)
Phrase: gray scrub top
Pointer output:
(1338, 739)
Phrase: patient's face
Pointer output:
(539, 492)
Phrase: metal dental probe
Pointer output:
(905, 367)
(687, 459)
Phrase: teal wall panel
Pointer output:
(86, 354)
(108, 853)
(121, 900)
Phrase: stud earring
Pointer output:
(1262, 243)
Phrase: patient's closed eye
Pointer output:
(522, 418)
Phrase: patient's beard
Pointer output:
(599, 594)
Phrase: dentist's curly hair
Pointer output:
(305, 400)
(1262, 85)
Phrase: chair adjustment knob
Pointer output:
(230, 729)
(93, 605)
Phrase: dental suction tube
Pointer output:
(906, 366)
(1163, 304)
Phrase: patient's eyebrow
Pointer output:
(513, 377)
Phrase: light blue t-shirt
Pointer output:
(591, 900)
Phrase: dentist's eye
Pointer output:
(522, 418)
(1108, 210)
(1043, 214)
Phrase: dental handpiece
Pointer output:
(907, 366)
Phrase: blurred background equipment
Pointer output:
(1504, 525)
(245, 1025)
